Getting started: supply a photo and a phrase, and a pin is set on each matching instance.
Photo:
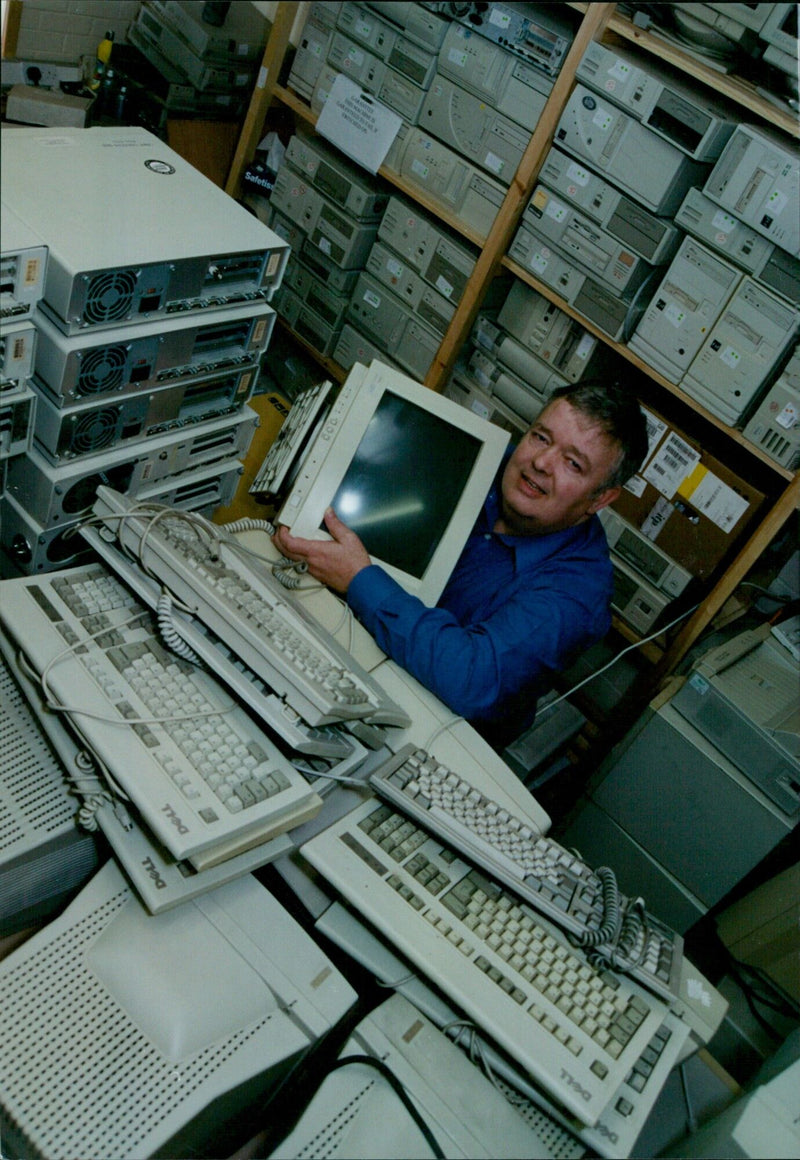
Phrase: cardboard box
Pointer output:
(35, 106)
(686, 501)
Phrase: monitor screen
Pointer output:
(405, 468)
(404, 481)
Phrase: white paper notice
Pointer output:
(636, 485)
(670, 465)
(356, 123)
(715, 500)
(656, 430)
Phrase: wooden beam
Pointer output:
(253, 127)
(511, 210)
(11, 30)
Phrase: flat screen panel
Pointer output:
(404, 482)
(405, 468)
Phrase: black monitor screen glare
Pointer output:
(404, 483)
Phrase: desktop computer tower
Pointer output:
(23, 264)
(128, 1034)
(44, 855)
(134, 232)
(674, 818)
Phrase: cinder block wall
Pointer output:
(65, 30)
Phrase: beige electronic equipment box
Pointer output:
(23, 264)
(197, 251)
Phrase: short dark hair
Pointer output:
(617, 411)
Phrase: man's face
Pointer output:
(554, 477)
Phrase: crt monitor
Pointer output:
(405, 468)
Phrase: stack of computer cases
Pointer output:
(744, 241)
(672, 228)
(23, 262)
(328, 209)
(153, 318)
(469, 82)
(370, 274)
(206, 69)
(517, 356)
(656, 217)
(469, 99)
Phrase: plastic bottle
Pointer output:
(105, 103)
(101, 63)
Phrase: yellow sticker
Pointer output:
(413, 1030)
(692, 480)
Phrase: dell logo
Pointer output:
(176, 821)
(150, 867)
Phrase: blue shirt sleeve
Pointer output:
(475, 668)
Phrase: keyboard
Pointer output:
(327, 741)
(209, 782)
(616, 1131)
(548, 877)
(578, 1030)
(51, 787)
(247, 609)
(163, 882)
(293, 435)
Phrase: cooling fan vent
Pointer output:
(103, 369)
(66, 547)
(95, 431)
(109, 296)
(80, 497)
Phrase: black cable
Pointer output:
(751, 997)
(392, 1079)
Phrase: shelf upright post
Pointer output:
(505, 223)
(266, 81)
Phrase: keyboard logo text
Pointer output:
(150, 867)
(176, 821)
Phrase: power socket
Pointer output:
(41, 73)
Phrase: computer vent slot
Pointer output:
(66, 1043)
(34, 801)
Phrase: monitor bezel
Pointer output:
(773, 32)
(324, 467)
(743, 14)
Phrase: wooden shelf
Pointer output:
(630, 356)
(598, 21)
(727, 85)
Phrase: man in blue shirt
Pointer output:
(533, 585)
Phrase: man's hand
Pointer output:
(333, 562)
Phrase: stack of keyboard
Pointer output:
(579, 1030)
(340, 752)
(544, 874)
(616, 1131)
(250, 613)
(207, 780)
